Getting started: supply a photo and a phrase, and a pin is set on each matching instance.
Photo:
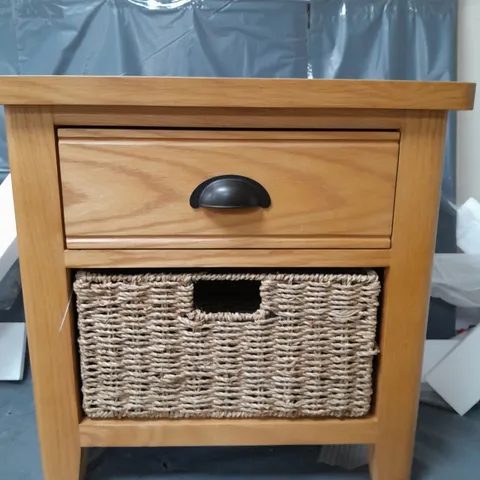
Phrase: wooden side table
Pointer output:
(353, 169)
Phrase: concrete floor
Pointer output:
(448, 447)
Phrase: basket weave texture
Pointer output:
(147, 352)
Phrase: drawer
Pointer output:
(132, 188)
(249, 345)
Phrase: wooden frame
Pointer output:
(46, 288)
(226, 432)
(235, 93)
(226, 258)
(416, 110)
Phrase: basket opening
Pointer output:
(240, 296)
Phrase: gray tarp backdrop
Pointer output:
(379, 39)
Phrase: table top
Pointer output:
(235, 93)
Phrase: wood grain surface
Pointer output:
(46, 289)
(219, 118)
(156, 433)
(298, 135)
(279, 258)
(240, 242)
(406, 294)
(235, 92)
(141, 187)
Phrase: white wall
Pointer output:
(468, 148)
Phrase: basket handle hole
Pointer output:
(239, 296)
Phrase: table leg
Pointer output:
(46, 288)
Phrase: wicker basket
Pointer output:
(161, 346)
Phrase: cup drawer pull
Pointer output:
(230, 191)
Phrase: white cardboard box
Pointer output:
(456, 377)
(435, 351)
(12, 335)
(13, 341)
(8, 231)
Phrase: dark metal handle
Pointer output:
(230, 191)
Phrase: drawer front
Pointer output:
(223, 345)
(131, 189)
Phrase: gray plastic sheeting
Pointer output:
(209, 38)
(394, 39)
(384, 39)
(8, 66)
(390, 39)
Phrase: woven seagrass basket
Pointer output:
(162, 345)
